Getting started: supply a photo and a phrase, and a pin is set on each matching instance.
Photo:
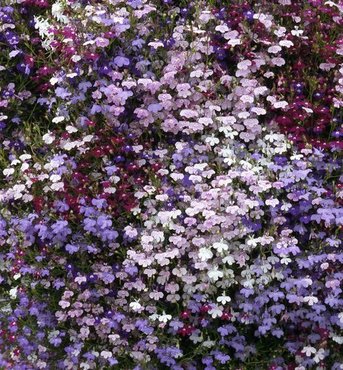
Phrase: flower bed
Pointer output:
(171, 185)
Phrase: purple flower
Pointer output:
(71, 248)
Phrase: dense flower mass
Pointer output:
(171, 184)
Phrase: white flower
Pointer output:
(57, 12)
(136, 306)
(306, 282)
(215, 312)
(13, 293)
(164, 317)
(205, 254)
(106, 354)
(208, 343)
(307, 110)
(330, 3)
(189, 113)
(215, 274)
(110, 190)
(14, 53)
(113, 337)
(224, 299)
(41, 364)
(274, 49)
(297, 32)
(326, 66)
(8, 171)
(222, 28)
(285, 260)
(227, 120)
(234, 42)
(25, 157)
(156, 44)
(55, 178)
(71, 129)
(80, 279)
(320, 355)
(154, 316)
(272, 202)
(337, 339)
(311, 300)
(54, 80)
(280, 104)
(259, 111)
(249, 283)
(266, 267)
(229, 260)
(87, 138)
(69, 145)
(17, 190)
(212, 140)
(57, 186)
(231, 35)
(76, 58)
(220, 246)
(42, 25)
(24, 167)
(286, 43)
(278, 61)
(247, 99)
(196, 337)
(308, 350)
(58, 119)
(206, 121)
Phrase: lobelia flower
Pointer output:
(169, 173)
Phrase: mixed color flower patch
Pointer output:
(171, 184)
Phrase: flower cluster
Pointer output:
(297, 50)
(171, 187)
